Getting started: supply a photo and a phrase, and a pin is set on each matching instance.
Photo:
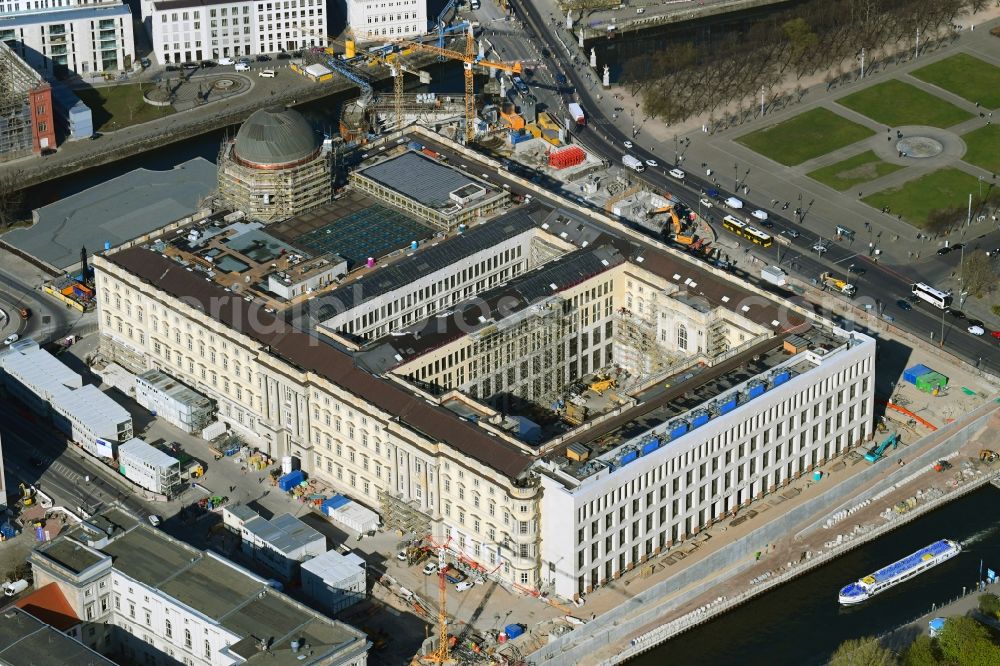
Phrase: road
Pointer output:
(879, 288)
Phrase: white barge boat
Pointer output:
(897, 572)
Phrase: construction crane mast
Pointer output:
(441, 654)
(469, 60)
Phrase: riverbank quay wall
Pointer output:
(615, 626)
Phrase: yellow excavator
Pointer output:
(675, 220)
(602, 383)
(27, 495)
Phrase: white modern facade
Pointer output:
(148, 467)
(334, 580)
(374, 20)
(632, 505)
(151, 599)
(194, 30)
(55, 36)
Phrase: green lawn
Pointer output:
(858, 169)
(916, 198)
(895, 103)
(805, 136)
(983, 147)
(966, 76)
(115, 107)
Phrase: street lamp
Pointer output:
(736, 175)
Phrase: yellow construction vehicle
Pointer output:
(27, 495)
(602, 383)
(844, 287)
(987, 456)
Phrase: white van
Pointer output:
(733, 202)
(14, 587)
(242, 67)
(640, 10)
(266, 73)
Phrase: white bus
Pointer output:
(938, 299)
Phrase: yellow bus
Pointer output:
(741, 228)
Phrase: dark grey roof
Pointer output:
(419, 177)
(25, 640)
(437, 257)
(276, 136)
(491, 307)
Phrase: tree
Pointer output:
(965, 641)
(922, 652)
(978, 278)
(862, 652)
(11, 199)
(989, 603)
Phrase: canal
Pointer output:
(323, 113)
(802, 623)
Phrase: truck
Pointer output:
(633, 163)
(773, 275)
(11, 588)
(576, 111)
(832, 281)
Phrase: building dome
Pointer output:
(274, 138)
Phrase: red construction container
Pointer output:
(566, 157)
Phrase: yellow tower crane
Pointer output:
(469, 59)
(441, 654)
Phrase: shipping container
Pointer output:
(291, 480)
(910, 374)
(513, 631)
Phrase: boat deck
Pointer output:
(928, 552)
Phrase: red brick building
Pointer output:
(43, 126)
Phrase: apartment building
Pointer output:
(654, 489)
(385, 20)
(60, 36)
(292, 394)
(149, 598)
(194, 30)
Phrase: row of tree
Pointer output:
(962, 642)
(686, 79)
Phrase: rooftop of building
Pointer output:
(70, 554)
(26, 640)
(437, 256)
(693, 397)
(92, 406)
(502, 306)
(49, 605)
(424, 180)
(163, 382)
(114, 212)
(354, 226)
(36, 366)
(309, 352)
(241, 256)
(64, 15)
(228, 594)
(284, 533)
(334, 566)
(138, 450)
(276, 137)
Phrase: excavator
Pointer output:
(678, 236)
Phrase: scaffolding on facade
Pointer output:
(717, 342)
(402, 515)
(16, 79)
(636, 347)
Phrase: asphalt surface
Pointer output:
(879, 288)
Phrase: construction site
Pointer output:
(26, 118)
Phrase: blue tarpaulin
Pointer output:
(780, 378)
(678, 431)
(629, 457)
(728, 406)
(699, 421)
(291, 480)
(649, 447)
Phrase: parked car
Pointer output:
(904, 304)
(205, 64)
(464, 585)
(245, 60)
(173, 68)
(154, 520)
(677, 173)
(11, 339)
(944, 250)
(957, 314)
(191, 65)
(401, 556)
(242, 67)
(267, 73)
(976, 330)
(283, 56)
(430, 568)
(263, 58)
(226, 61)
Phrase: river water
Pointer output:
(322, 113)
(801, 623)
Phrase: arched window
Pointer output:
(682, 337)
